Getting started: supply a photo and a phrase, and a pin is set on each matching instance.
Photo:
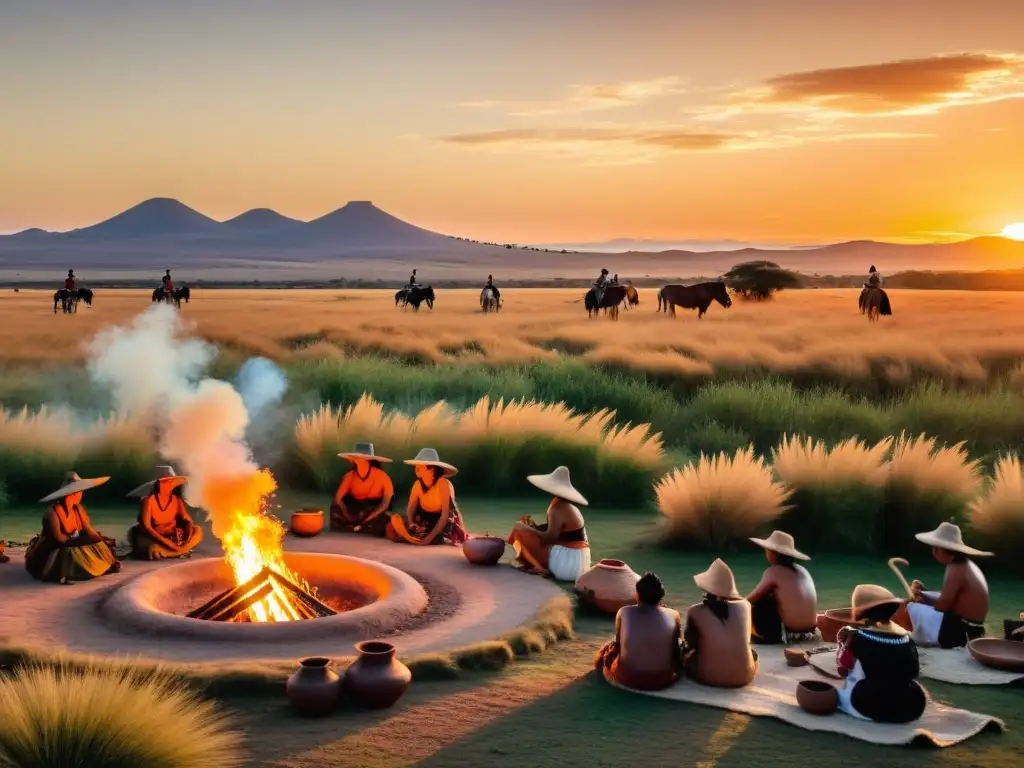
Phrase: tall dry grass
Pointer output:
(996, 518)
(718, 501)
(837, 491)
(495, 444)
(110, 716)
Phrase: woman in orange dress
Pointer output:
(365, 494)
(165, 529)
(432, 516)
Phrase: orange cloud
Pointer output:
(588, 98)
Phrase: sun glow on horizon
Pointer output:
(1014, 231)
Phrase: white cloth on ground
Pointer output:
(568, 564)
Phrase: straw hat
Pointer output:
(782, 543)
(363, 451)
(868, 596)
(163, 472)
(947, 536)
(719, 581)
(428, 457)
(558, 484)
(74, 484)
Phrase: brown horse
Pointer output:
(697, 297)
(613, 297)
(874, 302)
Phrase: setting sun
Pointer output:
(1014, 231)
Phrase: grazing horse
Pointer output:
(488, 301)
(697, 297)
(613, 296)
(416, 295)
(632, 297)
(174, 297)
(874, 302)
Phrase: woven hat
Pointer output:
(719, 581)
(428, 457)
(74, 484)
(948, 536)
(868, 596)
(782, 543)
(163, 472)
(558, 484)
(363, 451)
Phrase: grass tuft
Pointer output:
(997, 517)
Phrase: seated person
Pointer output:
(364, 495)
(3, 558)
(68, 549)
(165, 529)
(645, 653)
(716, 637)
(559, 546)
(784, 605)
(952, 617)
(432, 516)
(879, 661)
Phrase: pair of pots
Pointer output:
(376, 680)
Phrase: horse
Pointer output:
(874, 302)
(632, 297)
(417, 294)
(174, 297)
(697, 297)
(402, 297)
(613, 297)
(488, 301)
(69, 299)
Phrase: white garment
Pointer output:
(846, 691)
(926, 621)
(568, 564)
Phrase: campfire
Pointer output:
(265, 589)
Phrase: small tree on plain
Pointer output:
(760, 280)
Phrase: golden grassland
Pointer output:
(954, 335)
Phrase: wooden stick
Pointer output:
(240, 606)
(311, 601)
(894, 564)
(204, 611)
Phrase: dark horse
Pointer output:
(175, 297)
(874, 302)
(613, 296)
(697, 297)
(69, 299)
(415, 295)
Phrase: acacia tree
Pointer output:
(759, 280)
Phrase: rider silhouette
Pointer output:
(493, 287)
(167, 282)
(412, 279)
(874, 278)
(600, 284)
(70, 284)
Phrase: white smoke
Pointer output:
(261, 384)
(155, 373)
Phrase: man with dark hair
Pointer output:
(412, 279)
(168, 284)
(600, 285)
(645, 653)
(493, 287)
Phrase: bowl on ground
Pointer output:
(1007, 655)
(484, 550)
(816, 697)
(795, 657)
(307, 522)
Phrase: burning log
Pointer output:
(315, 605)
(228, 595)
(234, 603)
(236, 609)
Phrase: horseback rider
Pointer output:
(412, 279)
(600, 285)
(70, 284)
(168, 284)
(493, 287)
(615, 279)
(874, 278)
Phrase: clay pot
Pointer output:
(307, 522)
(608, 586)
(484, 550)
(817, 697)
(377, 679)
(314, 688)
(830, 622)
(1006, 655)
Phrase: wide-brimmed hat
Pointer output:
(719, 581)
(947, 536)
(163, 472)
(782, 543)
(74, 484)
(558, 484)
(428, 457)
(363, 451)
(868, 596)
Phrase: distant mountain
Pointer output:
(626, 245)
(263, 219)
(154, 217)
(360, 222)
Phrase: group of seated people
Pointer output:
(69, 549)
(877, 653)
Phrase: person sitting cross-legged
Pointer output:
(365, 494)
(432, 516)
(785, 603)
(165, 529)
(559, 546)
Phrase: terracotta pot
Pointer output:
(377, 679)
(817, 697)
(484, 550)
(314, 688)
(608, 586)
(1006, 655)
(307, 522)
(830, 622)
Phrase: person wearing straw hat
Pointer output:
(784, 605)
(432, 516)
(364, 495)
(955, 615)
(68, 548)
(559, 546)
(165, 530)
(717, 632)
(879, 661)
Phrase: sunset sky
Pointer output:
(528, 121)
